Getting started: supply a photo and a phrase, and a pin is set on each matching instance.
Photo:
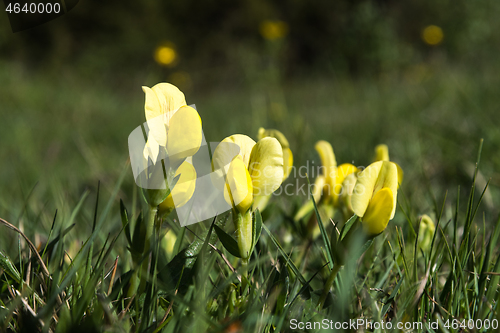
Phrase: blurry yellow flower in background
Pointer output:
(432, 35)
(328, 186)
(165, 54)
(426, 232)
(273, 29)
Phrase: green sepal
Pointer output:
(229, 243)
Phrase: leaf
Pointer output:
(229, 242)
(347, 226)
(125, 224)
(324, 235)
(289, 261)
(9, 267)
(257, 227)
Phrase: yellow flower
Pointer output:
(382, 154)
(165, 54)
(273, 29)
(174, 134)
(328, 186)
(173, 125)
(245, 170)
(251, 169)
(374, 196)
(432, 35)
(332, 177)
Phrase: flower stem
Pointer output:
(148, 234)
(333, 274)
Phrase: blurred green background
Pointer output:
(420, 76)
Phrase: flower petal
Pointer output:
(151, 150)
(169, 97)
(244, 142)
(225, 152)
(343, 171)
(152, 105)
(378, 213)
(400, 174)
(185, 134)
(274, 134)
(328, 163)
(381, 153)
(287, 162)
(183, 189)
(266, 166)
(238, 191)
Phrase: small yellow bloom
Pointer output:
(333, 175)
(172, 124)
(382, 154)
(432, 35)
(327, 188)
(256, 170)
(165, 54)
(425, 232)
(245, 170)
(174, 134)
(374, 196)
(273, 29)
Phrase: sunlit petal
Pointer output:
(152, 105)
(378, 213)
(185, 133)
(287, 162)
(343, 171)
(381, 153)
(400, 174)
(238, 191)
(225, 152)
(169, 97)
(364, 189)
(151, 150)
(274, 134)
(328, 163)
(183, 189)
(266, 166)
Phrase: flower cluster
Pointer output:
(247, 172)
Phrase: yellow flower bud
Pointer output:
(425, 232)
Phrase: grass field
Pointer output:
(65, 169)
